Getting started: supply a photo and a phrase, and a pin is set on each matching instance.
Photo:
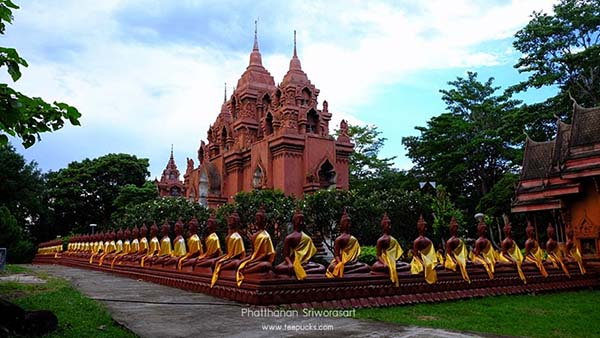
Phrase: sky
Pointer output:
(150, 74)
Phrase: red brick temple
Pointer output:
(563, 175)
(269, 136)
(170, 184)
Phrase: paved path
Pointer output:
(178, 313)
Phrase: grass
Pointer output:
(78, 316)
(566, 314)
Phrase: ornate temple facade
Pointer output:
(563, 175)
(170, 184)
(269, 136)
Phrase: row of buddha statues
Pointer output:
(53, 247)
(133, 248)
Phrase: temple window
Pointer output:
(257, 179)
(269, 124)
(224, 139)
(305, 96)
(233, 108)
(175, 191)
(327, 176)
(312, 122)
(203, 189)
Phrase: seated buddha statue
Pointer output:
(554, 254)
(511, 254)
(179, 249)
(153, 246)
(298, 249)
(235, 249)
(389, 252)
(424, 255)
(346, 250)
(572, 253)
(98, 246)
(126, 247)
(483, 254)
(118, 247)
(263, 252)
(134, 246)
(194, 245)
(166, 249)
(109, 247)
(533, 252)
(212, 247)
(456, 252)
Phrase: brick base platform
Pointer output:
(352, 291)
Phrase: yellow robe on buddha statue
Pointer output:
(302, 253)
(535, 256)
(349, 254)
(153, 249)
(235, 247)
(126, 250)
(213, 245)
(515, 253)
(577, 256)
(110, 248)
(261, 246)
(556, 259)
(429, 261)
(487, 259)
(460, 255)
(390, 256)
(194, 246)
(165, 247)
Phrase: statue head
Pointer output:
(345, 222)
(386, 224)
(193, 226)
(143, 230)
(120, 234)
(298, 220)
(233, 220)
(154, 230)
(135, 232)
(178, 227)
(112, 235)
(550, 231)
(261, 217)
(507, 230)
(211, 223)
(421, 226)
(530, 231)
(453, 227)
(127, 233)
(165, 227)
(482, 228)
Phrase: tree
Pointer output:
(563, 50)
(368, 172)
(470, 147)
(85, 192)
(22, 116)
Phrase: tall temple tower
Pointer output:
(170, 185)
(269, 136)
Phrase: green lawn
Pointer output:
(78, 316)
(566, 314)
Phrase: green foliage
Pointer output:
(516, 315)
(20, 248)
(22, 116)
(78, 316)
(368, 254)
(159, 210)
(469, 148)
(563, 49)
(443, 210)
(498, 200)
(85, 192)
(131, 194)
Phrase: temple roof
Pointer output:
(586, 125)
(537, 159)
(295, 75)
(256, 78)
(171, 173)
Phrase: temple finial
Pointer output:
(225, 95)
(171, 150)
(295, 55)
(255, 35)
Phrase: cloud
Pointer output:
(150, 74)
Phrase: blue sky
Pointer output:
(148, 74)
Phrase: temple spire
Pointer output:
(171, 151)
(225, 95)
(255, 35)
(295, 54)
(295, 62)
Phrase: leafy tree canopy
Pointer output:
(20, 115)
